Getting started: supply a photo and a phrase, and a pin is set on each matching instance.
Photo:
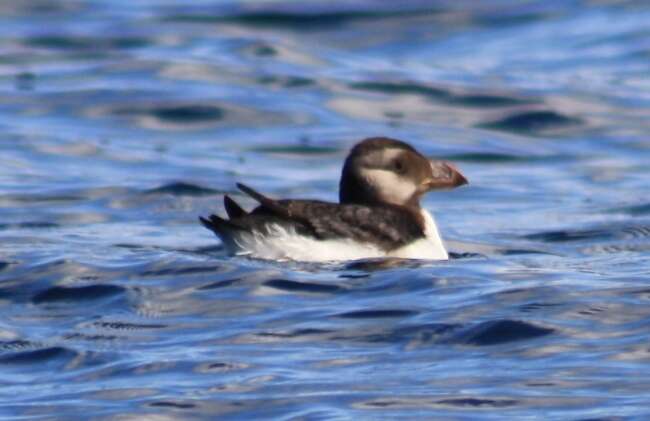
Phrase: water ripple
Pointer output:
(83, 293)
(532, 122)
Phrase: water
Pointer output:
(122, 121)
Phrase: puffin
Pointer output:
(378, 214)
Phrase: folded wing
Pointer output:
(388, 226)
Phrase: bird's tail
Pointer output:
(225, 228)
(216, 224)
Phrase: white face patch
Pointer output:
(389, 186)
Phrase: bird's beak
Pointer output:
(444, 175)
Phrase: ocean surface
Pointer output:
(123, 121)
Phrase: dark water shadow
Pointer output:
(75, 294)
(39, 356)
(376, 314)
(443, 95)
(312, 19)
(532, 122)
(181, 188)
(303, 287)
(633, 210)
(86, 43)
(496, 332)
(175, 113)
(609, 232)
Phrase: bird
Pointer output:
(378, 214)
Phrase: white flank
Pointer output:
(282, 243)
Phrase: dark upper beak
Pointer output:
(444, 175)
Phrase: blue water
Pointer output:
(123, 121)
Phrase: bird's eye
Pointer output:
(398, 166)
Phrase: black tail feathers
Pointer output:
(215, 224)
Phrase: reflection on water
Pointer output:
(121, 122)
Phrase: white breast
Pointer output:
(430, 247)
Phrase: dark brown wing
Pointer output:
(386, 226)
(389, 227)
